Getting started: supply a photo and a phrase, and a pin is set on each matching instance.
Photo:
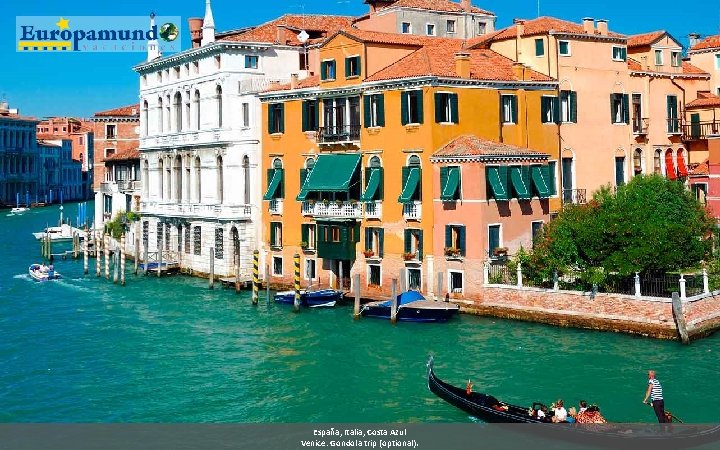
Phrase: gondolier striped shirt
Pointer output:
(656, 390)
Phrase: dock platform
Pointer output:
(245, 281)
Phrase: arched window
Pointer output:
(177, 104)
(670, 171)
(375, 162)
(188, 116)
(657, 163)
(637, 161)
(220, 180)
(246, 177)
(167, 122)
(219, 102)
(196, 100)
(144, 118)
(161, 173)
(414, 161)
(178, 177)
(198, 180)
(160, 115)
(277, 163)
(310, 164)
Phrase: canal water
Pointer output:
(170, 350)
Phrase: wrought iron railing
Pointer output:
(640, 125)
(343, 133)
(575, 196)
(673, 126)
(700, 130)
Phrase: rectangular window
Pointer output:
(197, 240)
(568, 106)
(619, 170)
(109, 152)
(352, 66)
(310, 115)
(219, 243)
(374, 110)
(145, 232)
(276, 234)
(374, 237)
(539, 47)
(672, 114)
(675, 59)
(454, 240)
(699, 191)
(251, 62)
(549, 109)
(406, 28)
(246, 115)
(619, 53)
(482, 27)
(446, 107)
(187, 239)
(159, 229)
(450, 27)
(494, 239)
(717, 66)
(509, 109)
(374, 275)
(414, 279)
(310, 269)
(335, 234)
(619, 108)
(327, 70)
(564, 48)
(638, 125)
(658, 57)
(276, 120)
(535, 228)
(455, 281)
(413, 244)
(308, 236)
(430, 29)
(411, 108)
(110, 131)
(277, 266)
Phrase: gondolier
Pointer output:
(655, 393)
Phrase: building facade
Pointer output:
(116, 131)
(80, 135)
(121, 189)
(19, 158)
(61, 178)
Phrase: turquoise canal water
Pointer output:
(170, 350)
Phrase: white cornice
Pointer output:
(198, 53)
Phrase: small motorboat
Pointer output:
(18, 210)
(311, 299)
(40, 272)
(64, 232)
(412, 307)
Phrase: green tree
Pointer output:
(650, 224)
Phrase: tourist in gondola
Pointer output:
(654, 391)
(572, 413)
(590, 415)
(559, 412)
(583, 406)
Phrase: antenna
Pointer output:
(538, 4)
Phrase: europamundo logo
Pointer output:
(97, 33)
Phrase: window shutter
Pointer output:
(439, 110)
(514, 108)
(573, 106)
(612, 108)
(454, 110)
(623, 53)
(305, 233)
(443, 177)
(381, 239)
(366, 110)
(381, 190)
(404, 107)
(357, 233)
(419, 104)
(368, 234)
(556, 108)
(270, 173)
(405, 174)
(539, 47)
(323, 70)
(420, 243)
(282, 183)
(626, 108)
(544, 107)
(271, 116)
(282, 117)
(448, 236)
(303, 176)
(305, 107)
(347, 67)
(316, 123)
(272, 233)
(503, 172)
(381, 110)
(418, 189)
(407, 241)
(461, 240)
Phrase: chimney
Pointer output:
(602, 27)
(589, 25)
(644, 62)
(519, 71)
(465, 5)
(519, 27)
(694, 39)
(281, 35)
(294, 81)
(462, 65)
(196, 25)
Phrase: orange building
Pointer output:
(116, 131)
(350, 184)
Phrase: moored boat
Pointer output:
(64, 232)
(412, 307)
(311, 299)
(39, 272)
(18, 210)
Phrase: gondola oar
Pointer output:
(668, 414)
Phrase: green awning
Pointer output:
(539, 182)
(273, 185)
(331, 173)
(498, 187)
(449, 191)
(372, 186)
(411, 185)
(521, 189)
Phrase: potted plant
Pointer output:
(500, 251)
(368, 253)
(452, 251)
(326, 201)
(304, 245)
(409, 256)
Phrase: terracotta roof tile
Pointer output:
(708, 43)
(439, 61)
(634, 64)
(471, 145)
(124, 155)
(130, 111)
(320, 25)
(687, 68)
(702, 168)
(378, 37)
(645, 39)
(18, 117)
(704, 100)
(543, 25)
(311, 81)
(49, 137)
(436, 5)
(690, 69)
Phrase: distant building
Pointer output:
(116, 131)
(80, 135)
(19, 158)
(61, 178)
(120, 190)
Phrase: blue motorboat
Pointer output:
(311, 299)
(412, 307)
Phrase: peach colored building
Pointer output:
(116, 130)
(81, 136)
(705, 54)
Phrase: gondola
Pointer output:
(489, 409)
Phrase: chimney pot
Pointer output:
(588, 25)
(462, 64)
(281, 35)
(518, 69)
(294, 81)
(694, 39)
(519, 26)
(602, 27)
(465, 5)
(195, 24)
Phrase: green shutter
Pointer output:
(514, 108)
(612, 104)
(366, 110)
(420, 243)
(368, 234)
(272, 233)
(556, 108)
(448, 236)
(623, 53)
(303, 177)
(282, 118)
(461, 240)
(282, 182)
(271, 116)
(626, 108)
(539, 47)
(305, 113)
(381, 243)
(316, 113)
(323, 70)
(347, 67)
(550, 178)
(525, 173)
(419, 104)
(544, 107)
(381, 189)
(439, 110)
(454, 111)
(504, 180)
(407, 241)
(404, 107)
(443, 177)
(305, 233)
(573, 106)
(405, 175)
(380, 110)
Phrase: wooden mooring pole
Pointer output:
(137, 254)
(256, 276)
(145, 259)
(677, 310)
(211, 281)
(267, 283)
(98, 247)
(394, 302)
(356, 286)
(160, 261)
(296, 302)
(86, 252)
(122, 260)
(106, 252)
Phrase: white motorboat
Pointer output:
(40, 272)
(64, 232)
(18, 210)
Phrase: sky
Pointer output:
(80, 83)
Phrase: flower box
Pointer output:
(452, 252)
(368, 253)
(409, 256)
(500, 251)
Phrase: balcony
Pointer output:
(575, 196)
(352, 210)
(673, 126)
(700, 130)
(339, 135)
(640, 125)
(373, 210)
(197, 211)
(412, 211)
(128, 185)
(276, 206)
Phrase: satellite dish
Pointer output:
(303, 36)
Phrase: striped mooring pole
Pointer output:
(296, 303)
(256, 277)
(98, 247)
(85, 252)
(106, 250)
(122, 260)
